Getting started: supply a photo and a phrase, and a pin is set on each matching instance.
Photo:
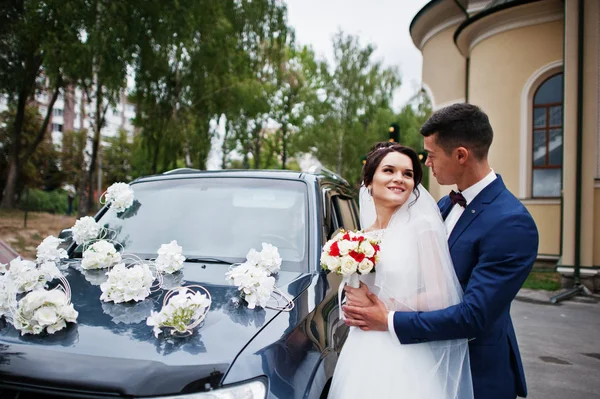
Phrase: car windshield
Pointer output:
(219, 218)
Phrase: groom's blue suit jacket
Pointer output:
(493, 247)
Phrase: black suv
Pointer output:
(216, 217)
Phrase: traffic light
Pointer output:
(394, 135)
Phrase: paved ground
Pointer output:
(560, 346)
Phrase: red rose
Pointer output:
(376, 247)
(334, 250)
(357, 256)
(346, 236)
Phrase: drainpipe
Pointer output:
(578, 289)
(578, 177)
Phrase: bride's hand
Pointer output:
(357, 296)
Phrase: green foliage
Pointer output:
(41, 169)
(55, 201)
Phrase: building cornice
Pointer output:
(505, 17)
(434, 17)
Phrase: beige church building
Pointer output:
(533, 67)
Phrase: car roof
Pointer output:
(323, 177)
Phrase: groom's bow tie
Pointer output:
(457, 198)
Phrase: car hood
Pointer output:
(112, 350)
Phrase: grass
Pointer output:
(543, 280)
(25, 240)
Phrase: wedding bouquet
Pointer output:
(350, 254)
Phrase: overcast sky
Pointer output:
(383, 23)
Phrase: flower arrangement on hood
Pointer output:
(170, 258)
(254, 277)
(126, 284)
(41, 310)
(48, 250)
(38, 308)
(100, 255)
(183, 309)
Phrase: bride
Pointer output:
(414, 272)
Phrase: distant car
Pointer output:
(238, 352)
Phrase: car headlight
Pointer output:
(250, 390)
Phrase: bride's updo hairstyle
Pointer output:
(379, 151)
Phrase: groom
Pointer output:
(493, 242)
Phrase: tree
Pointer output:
(355, 108)
(41, 169)
(37, 40)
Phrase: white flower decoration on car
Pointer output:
(253, 282)
(3, 268)
(119, 196)
(182, 312)
(100, 255)
(44, 310)
(8, 295)
(48, 250)
(170, 258)
(268, 258)
(126, 284)
(85, 229)
(25, 275)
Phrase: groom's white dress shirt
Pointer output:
(451, 220)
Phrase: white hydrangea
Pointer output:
(85, 229)
(100, 255)
(268, 258)
(170, 258)
(48, 250)
(127, 284)
(120, 196)
(8, 295)
(254, 283)
(39, 310)
(181, 310)
(25, 275)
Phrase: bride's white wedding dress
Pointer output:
(414, 272)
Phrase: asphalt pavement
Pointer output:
(560, 345)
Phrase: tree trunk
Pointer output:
(283, 148)
(8, 198)
(339, 160)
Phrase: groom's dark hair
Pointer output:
(461, 125)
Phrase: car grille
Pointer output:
(20, 392)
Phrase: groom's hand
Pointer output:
(357, 296)
(371, 317)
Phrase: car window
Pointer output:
(216, 217)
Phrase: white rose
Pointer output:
(46, 315)
(365, 266)
(367, 249)
(346, 246)
(348, 265)
(332, 263)
(48, 250)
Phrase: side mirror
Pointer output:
(67, 236)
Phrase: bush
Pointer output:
(55, 201)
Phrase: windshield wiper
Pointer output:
(207, 260)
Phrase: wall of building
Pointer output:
(445, 85)
(500, 68)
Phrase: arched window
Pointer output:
(547, 145)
